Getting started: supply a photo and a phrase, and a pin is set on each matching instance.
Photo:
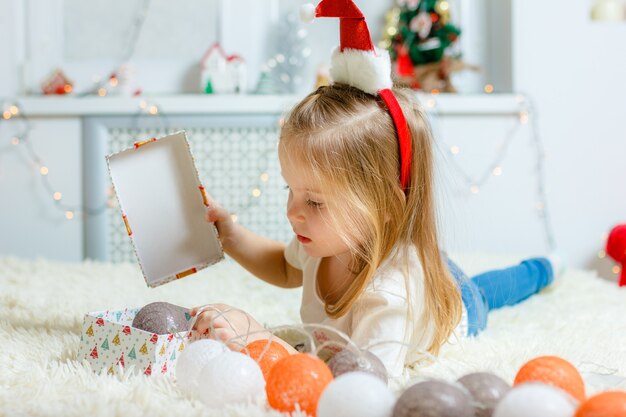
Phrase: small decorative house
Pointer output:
(221, 73)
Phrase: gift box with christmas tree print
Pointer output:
(109, 342)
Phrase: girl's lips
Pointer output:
(303, 239)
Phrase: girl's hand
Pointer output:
(222, 219)
(232, 326)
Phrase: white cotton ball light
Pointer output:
(307, 13)
(191, 361)
(356, 394)
(537, 400)
(233, 377)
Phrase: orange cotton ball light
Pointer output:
(298, 379)
(266, 353)
(606, 404)
(554, 371)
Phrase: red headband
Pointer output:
(404, 136)
(358, 63)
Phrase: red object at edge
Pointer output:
(616, 249)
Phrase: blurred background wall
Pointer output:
(548, 60)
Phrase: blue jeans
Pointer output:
(502, 287)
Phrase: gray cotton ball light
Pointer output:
(161, 318)
(486, 389)
(434, 399)
(363, 361)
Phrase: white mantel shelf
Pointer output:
(69, 106)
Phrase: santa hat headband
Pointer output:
(358, 63)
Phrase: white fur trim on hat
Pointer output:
(362, 69)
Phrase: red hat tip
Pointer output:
(353, 30)
(338, 8)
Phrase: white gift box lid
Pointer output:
(163, 205)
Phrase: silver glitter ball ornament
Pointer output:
(161, 318)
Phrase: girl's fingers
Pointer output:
(210, 321)
(215, 214)
(226, 335)
(211, 214)
(193, 311)
(203, 322)
(209, 308)
(224, 323)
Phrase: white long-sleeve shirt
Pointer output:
(378, 320)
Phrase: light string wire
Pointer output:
(146, 109)
(241, 339)
(23, 137)
(528, 104)
(307, 330)
(135, 30)
(526, 115)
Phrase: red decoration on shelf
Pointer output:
(57, 83)
(404, 66)
(616, 249)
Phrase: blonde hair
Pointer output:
(348, 139)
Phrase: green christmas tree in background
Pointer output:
(424, 31)
(421, 40)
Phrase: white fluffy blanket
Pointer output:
(582, 318)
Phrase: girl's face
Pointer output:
(308, 212)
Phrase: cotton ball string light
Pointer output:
(230, 378)
(486, 389)
(554, 371)
(434, 399)
(363, 360)
(537, 400)
(266, 353)
(191, 361)
(605, 404)
(297, 380)
(356, 394)
(161, 318)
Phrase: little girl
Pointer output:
(358, 162)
